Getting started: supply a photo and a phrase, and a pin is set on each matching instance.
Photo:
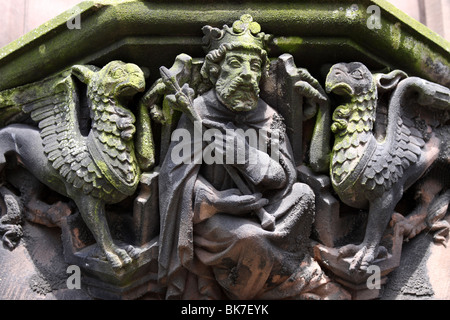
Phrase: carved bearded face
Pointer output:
(237, 85)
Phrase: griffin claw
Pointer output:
(12, 235)
(122, 255)
(118, 258)
(363, 255)
(442, 231)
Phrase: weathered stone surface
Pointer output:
(36, 269)
(422, 273)
(170, 226)
(312, 31)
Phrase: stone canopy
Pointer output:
(314, 32)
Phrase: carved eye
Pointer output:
(255, 66)
(357, 74)
(234, 63)
(118, 73)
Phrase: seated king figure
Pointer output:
(212, 245)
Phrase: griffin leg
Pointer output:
(10, 221)
(32, 195)
(93, 213)
(429, 210)
(364, 254)
(437, 211)
(10, 228)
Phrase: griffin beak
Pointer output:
(336, 83)
(340, 89)
(135, 85)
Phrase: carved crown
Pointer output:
(244, 33)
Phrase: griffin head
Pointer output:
(117, 79)
(113, 85)
(356, 85)
(352, 79)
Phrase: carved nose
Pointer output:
(246, 72)
(246, 75)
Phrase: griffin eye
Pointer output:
(357, 74)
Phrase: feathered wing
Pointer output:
(12, 100)
(391, 160)
(407, 131)
(53, 105)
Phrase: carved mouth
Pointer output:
(131, 88)
(341, 89)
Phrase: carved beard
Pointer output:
(237, 94)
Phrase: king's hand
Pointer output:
(181, 100)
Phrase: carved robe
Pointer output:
(228, 255)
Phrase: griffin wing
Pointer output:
(12, 100)
(54, 105)
(391, 160)
(421, 105)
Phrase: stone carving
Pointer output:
(93, 165)
(390, 132)
(10, 221)
(222, 202)
(211, 245)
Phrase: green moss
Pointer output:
(289, 45)
(145, 148)
(137, 31)
(412, 24)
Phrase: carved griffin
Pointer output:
(83, 145)
(390, 132)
